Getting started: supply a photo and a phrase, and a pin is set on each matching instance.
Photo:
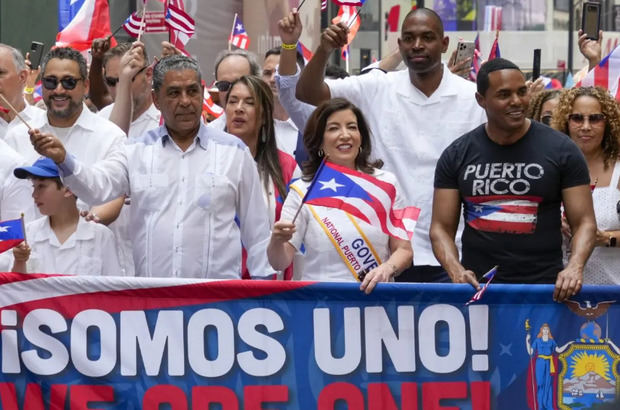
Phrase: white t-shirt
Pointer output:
(90, 250)
(411, 130)
(321, 261)
(148, 120)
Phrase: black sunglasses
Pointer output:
(111, 81)
(592, 118)
(68, 83)
(546, 119)
(223, 85)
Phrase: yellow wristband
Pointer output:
(289, 46)
(28, 90)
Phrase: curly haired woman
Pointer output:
(591, 117)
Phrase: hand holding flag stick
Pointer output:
(8, 104)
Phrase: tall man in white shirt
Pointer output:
(195, 191)
(413, 114)
(13, 74)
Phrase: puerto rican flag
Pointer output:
(82, 21)
(489, 277)
(606, 74)
(239, 38)
(178, 19)
(304, 51)
(323, 5)
(209, 106)
(11, 234)
(362, 196)
(349, 17)
(132, 25)
(502, 213)
(348, 2)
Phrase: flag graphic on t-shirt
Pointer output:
(502, 213)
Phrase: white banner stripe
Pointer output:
(507, 217)
(55, 286)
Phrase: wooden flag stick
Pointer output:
(23, 227)
(141, 29)
(232, 32)
(8, 104)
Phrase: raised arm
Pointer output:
(590, 49)
(131, 63)
(311, 87)
(580, 215)
(444, 223)
(97, 91)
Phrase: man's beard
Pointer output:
(71, 109)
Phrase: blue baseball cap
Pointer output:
(43, 168)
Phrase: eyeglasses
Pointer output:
(593, 119)
(223, 85)
(68, 83)
(546, 119)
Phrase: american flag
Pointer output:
(239, 38)
(323, 5)
(178, 19)
(502, 213)
(489, 277)
(362, 196)
(132, 25)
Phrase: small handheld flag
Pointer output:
(12, 233)
(238, 36)
(489, 277)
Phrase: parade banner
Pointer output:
(77, 342)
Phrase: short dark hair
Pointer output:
(174, 62)
(66, 53)
(276, 51)
(482, 79)
(315, 131)
(427, 12)
(335, 71)
(57, 180)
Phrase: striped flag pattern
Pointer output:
(178, 19)
(489, 277)
(132, 25)
(239, 37)
(323, 5)
(606, 74)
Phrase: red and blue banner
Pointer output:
(141, 343)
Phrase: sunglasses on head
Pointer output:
(68, 83)
(223, 85)
(592, 118)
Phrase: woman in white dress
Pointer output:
(338, 246)
(591, 117)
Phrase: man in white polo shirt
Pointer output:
(13, 74)
(413, 114)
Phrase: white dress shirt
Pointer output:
(90, 250)
(190, 210)
(147, 121)
(90, 139)
(410, 131)
(15, 194)
(30, 113)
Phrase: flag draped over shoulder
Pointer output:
(82, 21)
(364, 197)
(605, 74)
(11, 234)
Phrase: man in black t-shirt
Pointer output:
(511, 176)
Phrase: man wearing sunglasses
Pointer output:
(13, 74)
(195, 191)
(128, 79)
(65, 84)
(510, 176)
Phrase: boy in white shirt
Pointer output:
(61, 241)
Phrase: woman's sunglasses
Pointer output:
(592, 118)
(68, 83)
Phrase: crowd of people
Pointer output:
(128, 178)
